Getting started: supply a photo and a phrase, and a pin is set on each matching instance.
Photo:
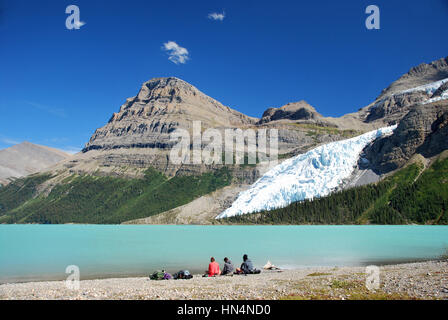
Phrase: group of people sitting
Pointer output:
(246, 268)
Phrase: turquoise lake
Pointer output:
(42, 252)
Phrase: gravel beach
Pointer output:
(423, 280)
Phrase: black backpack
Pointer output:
(182, 274)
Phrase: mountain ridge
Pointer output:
(418, 75)
(26, 158)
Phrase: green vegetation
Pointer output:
(318, 274)
(313, 130)
(349, 289)
(20, 191)
(411, 195)
(342, 284)
(424, 200)
(108, 200)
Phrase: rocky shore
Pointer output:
(424, 280)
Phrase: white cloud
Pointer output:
(176, 53)
(59, 112)
(7, 140)
(217, 16)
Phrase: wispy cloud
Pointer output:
(54, 111)
(217, 16)
(176, 53)
(9, 141)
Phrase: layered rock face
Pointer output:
(161, 106)
(138, 136)
(424, 130)
(393, 108)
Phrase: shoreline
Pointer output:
(419, 280)
(195, 271)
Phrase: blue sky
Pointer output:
(58, 85)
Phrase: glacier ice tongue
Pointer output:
(313, 174)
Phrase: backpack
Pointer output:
(182, 274)
(157, 275)
(255, 271)
(167, 276)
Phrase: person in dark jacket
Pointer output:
(228, 267)
(246, 266)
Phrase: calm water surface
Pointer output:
(42, 252)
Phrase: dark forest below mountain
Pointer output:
(410, 196)
(105, 200)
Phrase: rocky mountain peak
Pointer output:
(169, 91)
(427, 68)
(296, 106)
(419, 75)
(292, 111)
(166, 90)
(160, 106)
(422, 84)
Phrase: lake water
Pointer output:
(42, 252)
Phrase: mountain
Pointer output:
(27, 158)
(161, 106)
(422, 116)
(124, 174)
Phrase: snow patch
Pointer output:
(443, 96)
(306, 176)
(429, 88)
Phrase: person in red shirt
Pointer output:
(213, 268)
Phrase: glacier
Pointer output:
(313, 174)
